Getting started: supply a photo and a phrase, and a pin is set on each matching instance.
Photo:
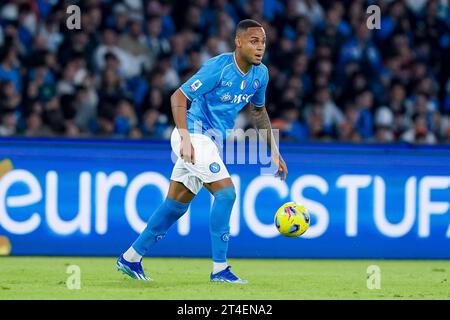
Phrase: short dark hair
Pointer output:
(247, 23)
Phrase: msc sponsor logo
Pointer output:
(238, 98)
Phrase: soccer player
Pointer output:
(223, 86)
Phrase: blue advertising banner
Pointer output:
(91, 197)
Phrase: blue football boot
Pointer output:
(226, 276)
(132, 269)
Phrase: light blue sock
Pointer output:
(220, 222)
(158, 224)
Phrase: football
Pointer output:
(292, 219)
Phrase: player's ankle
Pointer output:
(219, 266)
(131, 255)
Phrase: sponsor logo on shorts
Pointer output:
(214, 167)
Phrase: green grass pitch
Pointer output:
(184, 278)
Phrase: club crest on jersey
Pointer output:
(195, 85)
(256, 84)
(243, 85)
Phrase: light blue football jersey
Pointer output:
(219, 90)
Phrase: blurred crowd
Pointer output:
(331, 77)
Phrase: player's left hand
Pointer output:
(282, 170)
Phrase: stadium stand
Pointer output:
(332, 79)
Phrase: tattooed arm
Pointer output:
(262, 122)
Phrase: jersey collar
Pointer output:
(237, 66)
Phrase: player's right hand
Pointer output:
(282, 168)
(187, 151)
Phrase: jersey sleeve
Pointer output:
(259, 98)
(203, 81)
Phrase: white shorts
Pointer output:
(208, 166)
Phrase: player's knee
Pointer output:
(166, 215)
(227, 194)
(176, 208)
(223, 205)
